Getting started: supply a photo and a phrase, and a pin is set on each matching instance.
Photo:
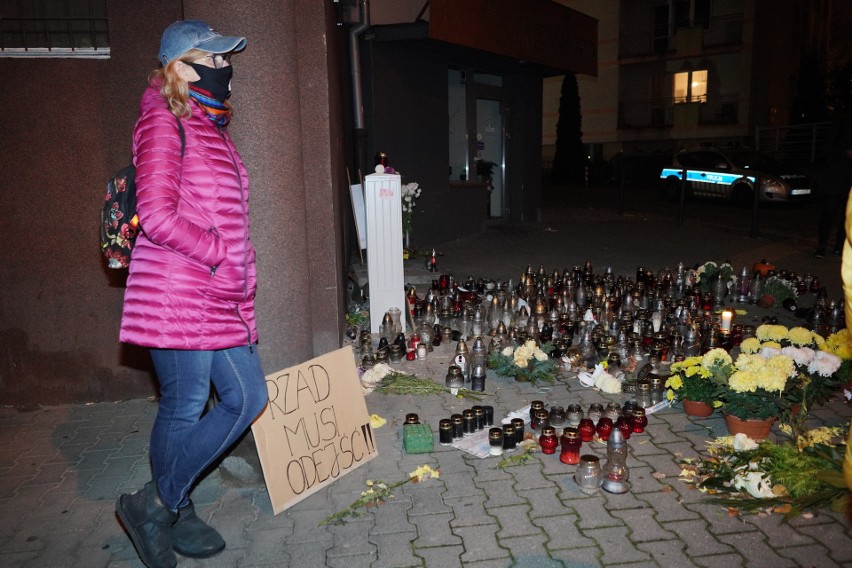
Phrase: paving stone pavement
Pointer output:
(62, 467)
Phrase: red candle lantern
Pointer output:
(548, 440)
(571, 445)
(638, 421)
(604, 428)
(587, 430)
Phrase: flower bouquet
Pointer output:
(775, 291)
(410, 193)
(709, 272)
(377, 493)
(526, 363)
(773, 478)
(700, 379)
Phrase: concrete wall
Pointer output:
(66, 127)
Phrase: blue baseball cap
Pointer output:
(184, 35)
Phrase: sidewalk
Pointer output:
(61, 468)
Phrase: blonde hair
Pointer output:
(173, 87)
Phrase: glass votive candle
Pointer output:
(604, 428)
(548, 440)
(628, 407)
(625, 424)
(489, 415)
(541, 419)
(495, 441)
(595, 412)
(573, 414)
(509, 442)
(612, 411)
(571, 445)
(586, 429)
(469, 422)
(518, 423)
(588, 475)
(458, 426)
(412, 418)
(535, 405)
(445, 431)
(479, 417)
(639, 421)
(556, 416)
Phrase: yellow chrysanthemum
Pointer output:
(423, 473)
(692, 371)
(540, 355)
(688, 362)
(773, 344)
(750, 345)
(769, 332)
(521, 362)
(674, 382)
(752, 363)
(743, 381)
(772, 380)
(716, 357)
(840, 344)
(800, 336)
(784, 364)
(670, 395)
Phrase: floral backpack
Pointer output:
(119, 221)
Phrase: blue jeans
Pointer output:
(183, 442)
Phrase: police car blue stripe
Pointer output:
(704, 176)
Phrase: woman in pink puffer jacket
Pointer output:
(190, 292)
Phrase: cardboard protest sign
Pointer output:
(315, 429)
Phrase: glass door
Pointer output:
(488, 155)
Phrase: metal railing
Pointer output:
(717, 109)
(800, 144)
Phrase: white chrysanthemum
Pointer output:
(755, 483)
(801, 355)
(742, 443)
(824, 364)
(607, 383)
(507, 352)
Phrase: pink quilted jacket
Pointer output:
(192, 275)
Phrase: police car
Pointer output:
(732, 174)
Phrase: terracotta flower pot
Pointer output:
(696, 408)
(754, 428)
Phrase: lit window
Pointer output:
(53, 28)
(690, 86)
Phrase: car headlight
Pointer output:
(773, 186)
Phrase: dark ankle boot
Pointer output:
(193, 537)
(148, 523)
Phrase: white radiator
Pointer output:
(384, 247)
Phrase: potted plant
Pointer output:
(758, 392)
(819, 367)
(697, 382)
(485, 172)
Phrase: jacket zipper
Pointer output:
(245, 233)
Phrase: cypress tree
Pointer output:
(569, 159)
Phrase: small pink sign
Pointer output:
(385, 192)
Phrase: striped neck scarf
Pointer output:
(216, 111)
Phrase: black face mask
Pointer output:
(216, 81)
